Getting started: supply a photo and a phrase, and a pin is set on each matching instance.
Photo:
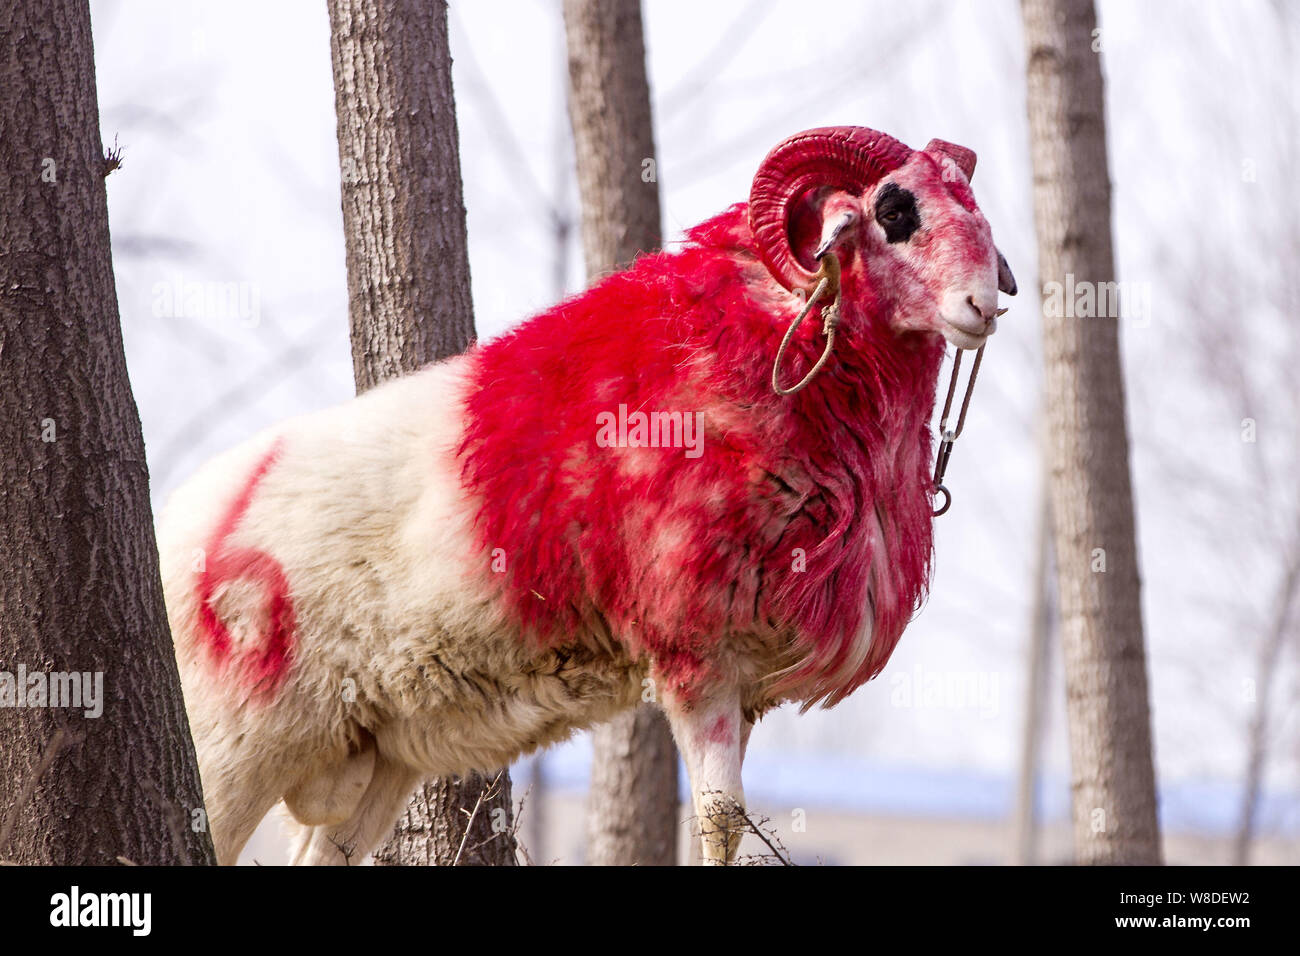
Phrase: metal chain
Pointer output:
(948, 435)
(829, 281)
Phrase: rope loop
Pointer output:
(828, 283)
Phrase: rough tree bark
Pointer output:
(80, 589)
(1113, 779)
(410, 302)
(633, 812)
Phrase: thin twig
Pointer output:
(488, 791)
(348, 849)
(773, 843)
(757, 831)
(514, 827)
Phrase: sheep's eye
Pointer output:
(897, 213)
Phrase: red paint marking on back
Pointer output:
(264, 669)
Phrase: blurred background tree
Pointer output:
(633, 811)
(410, 304)
(1111, 767)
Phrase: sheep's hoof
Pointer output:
(722, 826)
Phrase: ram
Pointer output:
(476, 560)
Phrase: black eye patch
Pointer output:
(896, 212)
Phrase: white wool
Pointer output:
(404, 665)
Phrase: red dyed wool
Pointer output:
(807, 518)
(264, 669)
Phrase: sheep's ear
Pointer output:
(820, 221)
(1006, 281)
(834, 229)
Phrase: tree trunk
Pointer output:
(80, 590)
(1113, 780)
(632, 812)
(1270, 650)
(432, 831)
(1037, 676)
(409, 297)
(632, 807)
(613, 132)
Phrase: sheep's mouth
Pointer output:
(966, 338)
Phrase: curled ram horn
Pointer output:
(848, 158)
(963, 157)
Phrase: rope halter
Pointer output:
(828, 284)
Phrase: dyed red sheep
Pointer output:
(610, 503)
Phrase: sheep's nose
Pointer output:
(985, 310)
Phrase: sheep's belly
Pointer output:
(486, 721)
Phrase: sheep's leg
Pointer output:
(349, 842)
(241, 783)
(711, 735)
(233, 815)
